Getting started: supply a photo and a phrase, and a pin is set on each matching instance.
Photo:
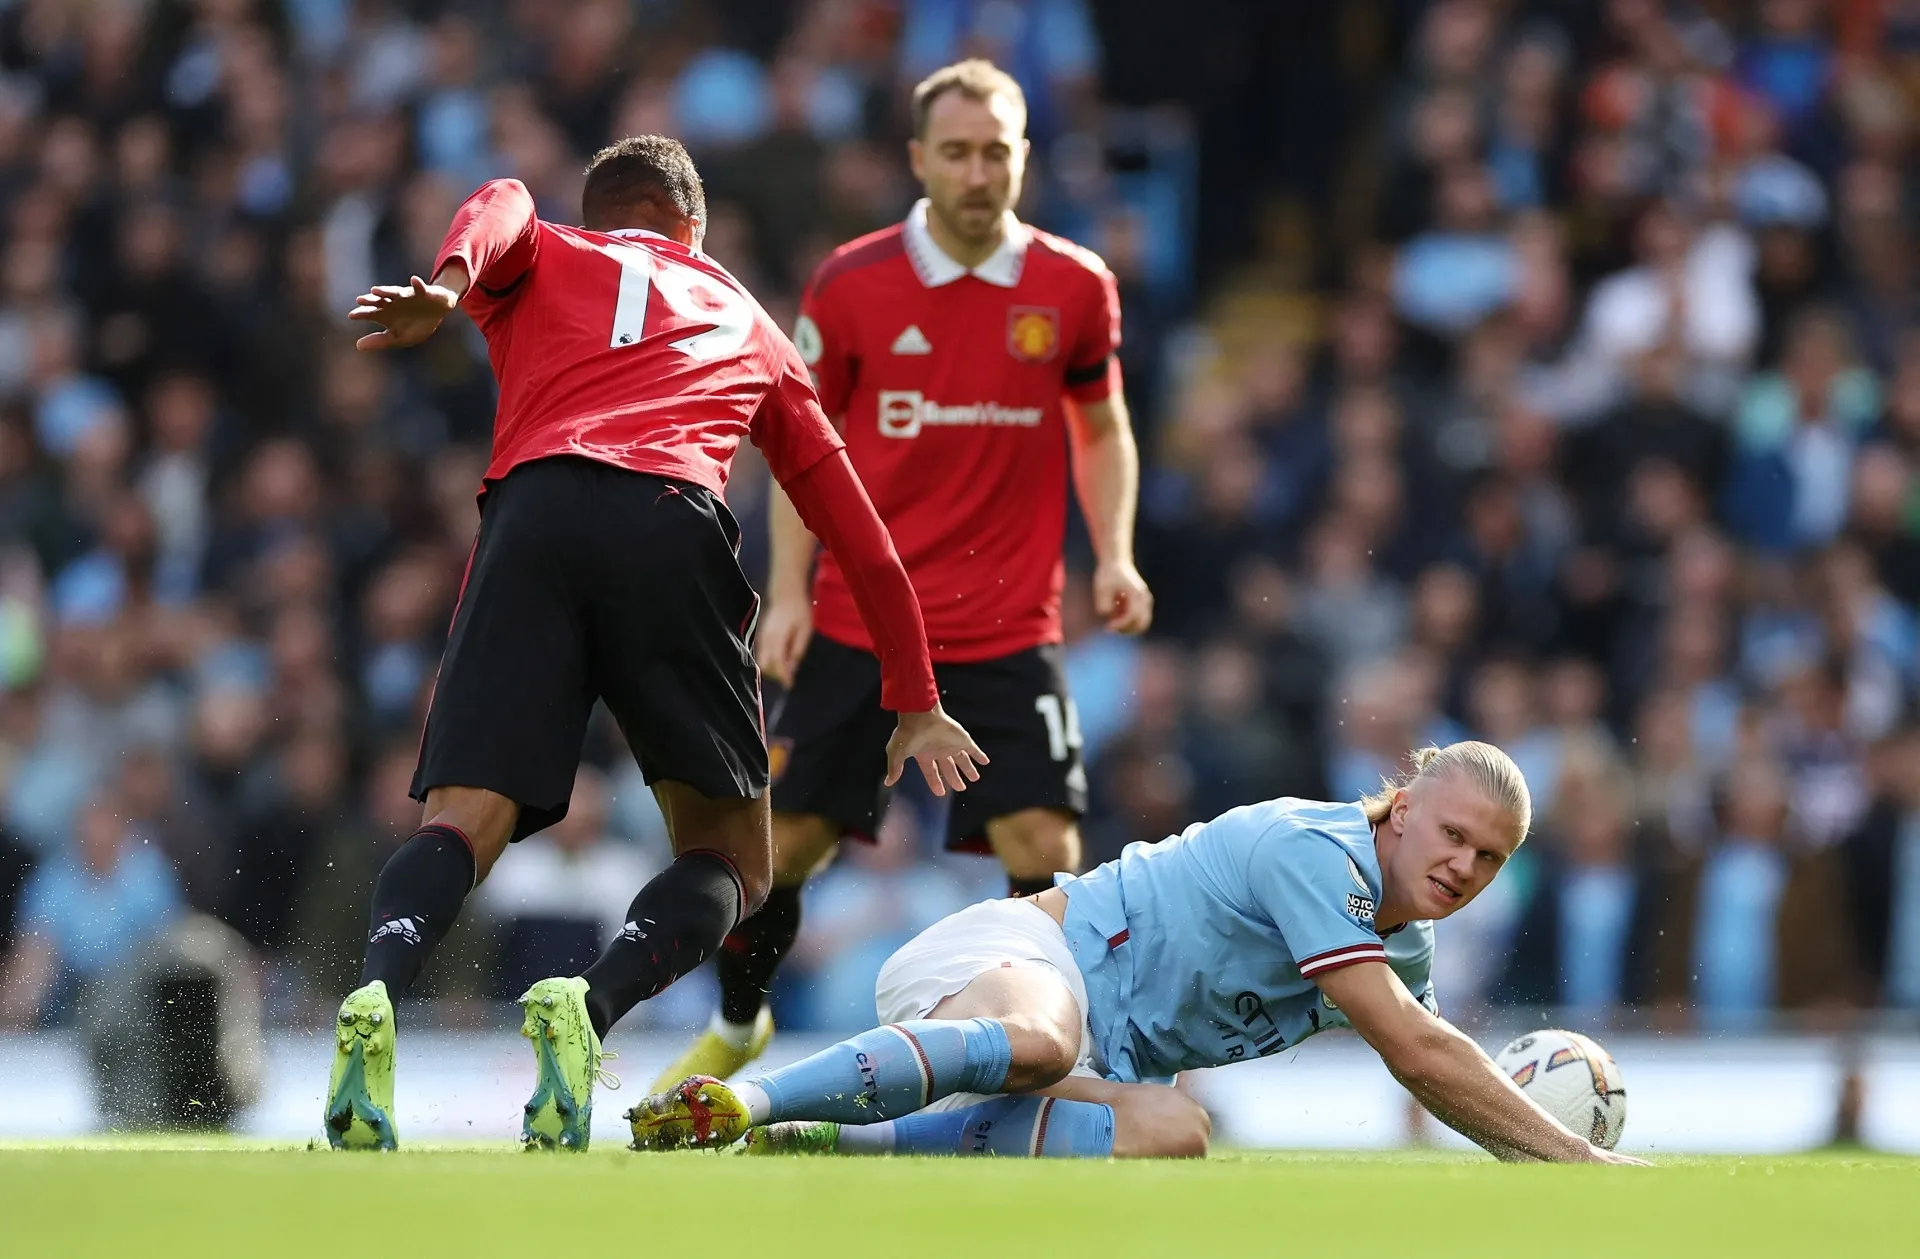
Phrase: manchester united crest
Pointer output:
(1033, 333)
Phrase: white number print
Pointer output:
(695, 297)
(1063, 725)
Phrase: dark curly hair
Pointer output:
(641, 177)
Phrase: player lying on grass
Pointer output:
(1051, 1026)
(631, 367)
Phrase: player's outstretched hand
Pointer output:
(407, 314)
(1601, 1155)
(1121, 597)
(785, 628)
(947, 754)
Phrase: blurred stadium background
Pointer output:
(1541, 370)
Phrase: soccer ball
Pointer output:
(1571, 1078)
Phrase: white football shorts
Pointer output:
(953, 952)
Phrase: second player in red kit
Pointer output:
(630, 368)
(968, 362)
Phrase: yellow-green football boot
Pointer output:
(566, 1057)
(710, 1054)
(699, 1113)
(360, 1095)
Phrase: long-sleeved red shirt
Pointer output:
(630, 349)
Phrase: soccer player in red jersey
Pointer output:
(630, 368)
(962, 353)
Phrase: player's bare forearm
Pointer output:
(453, 276)
(1445, 1071)
(1504, 1153)
(1459, 1084)
(1106, 474)
(786, 623)
(790, 558)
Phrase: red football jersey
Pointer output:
(948, 385)
(627, 348)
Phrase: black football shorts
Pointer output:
(829, 741)
(592, 582)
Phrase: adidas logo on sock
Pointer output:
(912, 341)
(402, 927)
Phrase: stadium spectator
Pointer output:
(87, 914)
(1590, 940)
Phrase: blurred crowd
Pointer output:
(1566, 394)
(1599, 444)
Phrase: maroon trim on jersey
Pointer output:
(882, 246)
(1335, 959)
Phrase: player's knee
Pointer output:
(755, 883)
(803, 844)
(486, 818)
(1034, 843)
(1043, 1053)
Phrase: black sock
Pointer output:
(672, 926)
(749, 956)
(1017, 886)
(415, 901)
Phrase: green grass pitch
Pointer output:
(176, 1196)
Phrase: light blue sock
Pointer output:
(1011, 1127)
(890, 1071)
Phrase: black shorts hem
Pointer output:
(829, 740)
(533, 818)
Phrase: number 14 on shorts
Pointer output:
(1063, 734)
(1063, 724)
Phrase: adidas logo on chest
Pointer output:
(912, 341)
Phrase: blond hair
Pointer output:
(1483, 764)
(975, 78)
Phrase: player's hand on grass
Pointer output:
(946, 753)
(407, 314)
(1121, 598)
(785, 628)
(1602, 1155)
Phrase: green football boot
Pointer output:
(566, 1056)
(360, 1094)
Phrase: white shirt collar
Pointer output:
(935, 268)
(641, 231)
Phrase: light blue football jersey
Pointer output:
(1201, 950)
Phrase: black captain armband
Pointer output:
(1090, 373)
